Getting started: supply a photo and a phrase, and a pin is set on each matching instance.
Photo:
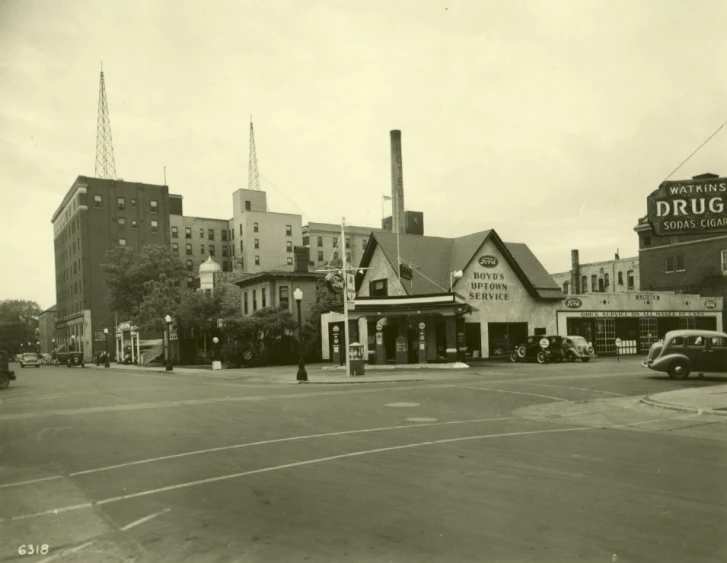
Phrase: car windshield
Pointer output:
(30, 356)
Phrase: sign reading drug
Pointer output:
(689, 207)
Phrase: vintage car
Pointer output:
(46, 359)
(30, 359)
(685, 351)
(70, 359)
(542, 349)
(577, 348)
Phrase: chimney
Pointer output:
(301, 256)
(575, 273)
(397, 184)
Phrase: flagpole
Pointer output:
(345, 299)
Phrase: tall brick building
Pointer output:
(94, 216)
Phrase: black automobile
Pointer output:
(542, 349)
(70, 359)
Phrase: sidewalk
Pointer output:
(701, 400)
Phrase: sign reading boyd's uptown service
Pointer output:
(489, 285)
(689, 207)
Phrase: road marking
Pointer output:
(279, 440)
(30, 482)
(513, 392)
(66, 552)
(145, 519)
(566, 387)
(421, 419)
(403, 405)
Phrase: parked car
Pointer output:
(685, 351)
(70, 359)
(46, 358)
(542, 349)
(30, 359)
(17, 357)
(577, 347)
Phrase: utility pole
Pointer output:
(105, 164)
(344, 271)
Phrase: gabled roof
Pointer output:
(433, 258)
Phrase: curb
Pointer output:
(356, 382)
(649, 401)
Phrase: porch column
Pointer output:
(451, 326)
(461, 342)
(120, 357)
(363, 331)
(138, 347)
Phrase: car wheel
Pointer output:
(540, 357)
(521, 352)
(678, 370)
(570, 356)
(513, 356)
(585, 359)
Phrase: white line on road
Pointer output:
(289, 439)
(513, 392)
(145, 519)
(566, 387)
(30, 482)
(66, 552)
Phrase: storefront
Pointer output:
(641, 317)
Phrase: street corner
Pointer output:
(578, 411)
(701, 400)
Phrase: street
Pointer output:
(501, 462)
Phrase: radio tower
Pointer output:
(253, 179)
(105, 165)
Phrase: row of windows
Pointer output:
(121, 203)
(121, 223)
(699, 341)
(348, 242)
(190, 266)
(335, 256)
(188, 233)
(188, 249)
(601, 284)
(283, 299)
(256, 229)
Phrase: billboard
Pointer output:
(686, 207)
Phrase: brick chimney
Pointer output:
(575, 273)
(301, 257)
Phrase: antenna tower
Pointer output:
(105, 165)
(253, 179)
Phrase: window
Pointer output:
(646, 241)
(225, 266)
(320, 256)
(201, 248)
(153, 206)
(223, 233)
(335, 255)
(154, 226)
(224, 249)
(335, 242)
(600, 285)
(122, 242)
(348, 257)
(122, 227)
(724, 261)
(289, 246)
(190, 282)
(677, 341)
(378, 288)
(288, 230)
(290, 261)
(594, 283)
(212, 249)
(244, 302)
(607, 282)
(257, 260)
(240, 228)
(189, 265)
(210, 234)
(247, 206)
(188, 250)
(718, 342)
(696, 341)
(262, 297)
(348, 242)
(175, 232)
(120, 202)
(254, 299)
(201, 233)
(630, 279)
(284, 296)
(679, 262)
(669, 267)
(257, 243)
(97, 201)
(620, 278)
(187, 232)
(240, 246)
(565, 288)
(320, 241)
(175, 247)
(584, 284)
(133, 203)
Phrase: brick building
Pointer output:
(94, 216)
(619, 275)
(47, 329)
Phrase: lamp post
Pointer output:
(301, 375)
(455, 275)
(73, 342)
(168, 320)
(106, 342)
(215, 340)
(53, 350)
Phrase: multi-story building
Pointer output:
(195, 239)
(413, 223)
(47, 329)
(619, 275)
(94, 216)
(324, 240)
(263, 240)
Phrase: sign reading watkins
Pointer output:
(689, 207)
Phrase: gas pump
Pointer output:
(422, 343)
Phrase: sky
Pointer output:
(549, 121)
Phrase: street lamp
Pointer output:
(37, 345)
(168, 320)
(53, 350)
(106, 341)
(455, 275)
(301, 375)
(73, 342)
(215, 340)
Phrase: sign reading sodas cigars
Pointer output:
(689, 207)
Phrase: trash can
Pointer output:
(356, 356)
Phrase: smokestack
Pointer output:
(397, 184)
(575, 273)
(301, 257)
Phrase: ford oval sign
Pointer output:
(488, 261)
(573, 303)
(710, 304)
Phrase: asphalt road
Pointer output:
(507, 463)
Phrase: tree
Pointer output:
(18, 322)
(127, 272)
(265, 334)
(161, 298)
(326, 301)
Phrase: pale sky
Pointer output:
(549, 121)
